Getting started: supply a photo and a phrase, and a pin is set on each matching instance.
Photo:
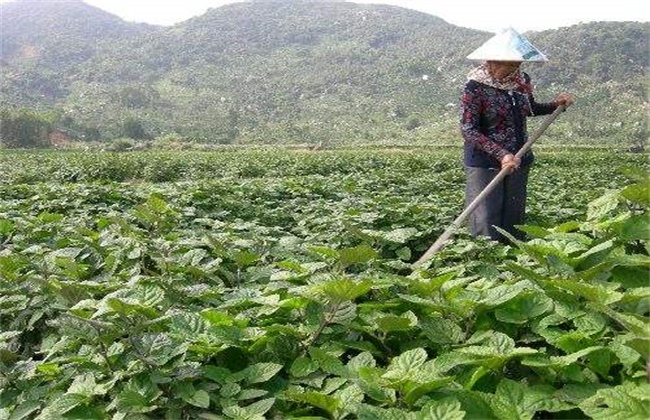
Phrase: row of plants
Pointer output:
(290, 294)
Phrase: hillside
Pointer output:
(43, 45)
(296, 72)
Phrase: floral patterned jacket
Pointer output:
(493, 123)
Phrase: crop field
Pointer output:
(245, 284)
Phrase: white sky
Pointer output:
(489, 15)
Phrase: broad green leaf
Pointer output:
(291, 266)
(259, 408)
(631, 260)
(513, 394)
(405, 365)
(442, 330)
(358, 255)
(233, 411)
(230, 390)
(592, 292)
(590, 323)
(362, 359)
(157, 203)
(523, 308)
(303, 366)
(595, 255)
(317, 399)
(625, 354)
(416, 391)
(369, 412)
(624, 402)
(391, 323)
(47, 217)
(542, 398)
(635, 324)
(138, 396)
(199, 399)
(130, 307)
(404, 253)
(349, 397)
(328, 362)
(635, 228)
(498, 341)
(270, 300)
(216, 317)
(539, 279)
(249, 394)
(193, 257)
(638, 193)
(332, 384)
(503, 293)
(400, 236)
(160, 348)
(71, 253)
(601, 361)
(60, 406)
(371, 383)
(603, 205)
(636, 295)
(428, 372)
(634, 173)
(24, 410)
(503, 409)
(345, 289)
(188, 324)
(49, 368)
(446, 409)
(89, 412)
(561, 361)
(259, 372)
(12, 265)
(245, 258)
(86, 386)
(474, 404)
(6, 228)
(447, 361)
(569, 342)
(428, 286)
(496, 349)
(345, 313)
(328, 253)
(216, 373)
(576, 393)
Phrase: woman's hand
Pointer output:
(510, 162)
(565, 99)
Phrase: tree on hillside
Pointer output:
(133, 129)
(24, 129)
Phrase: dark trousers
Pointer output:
(505, 206)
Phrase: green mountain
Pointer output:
(299, 72)
(43, 44)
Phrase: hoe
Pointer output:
(440, 242)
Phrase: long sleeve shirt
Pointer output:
(493, 123)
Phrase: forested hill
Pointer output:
(297, 72)
(58, 34)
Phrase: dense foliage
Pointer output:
(277, 284)
(24, 129)
(300, 72)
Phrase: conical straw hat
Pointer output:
(507, 45)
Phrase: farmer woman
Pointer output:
(496, 100)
